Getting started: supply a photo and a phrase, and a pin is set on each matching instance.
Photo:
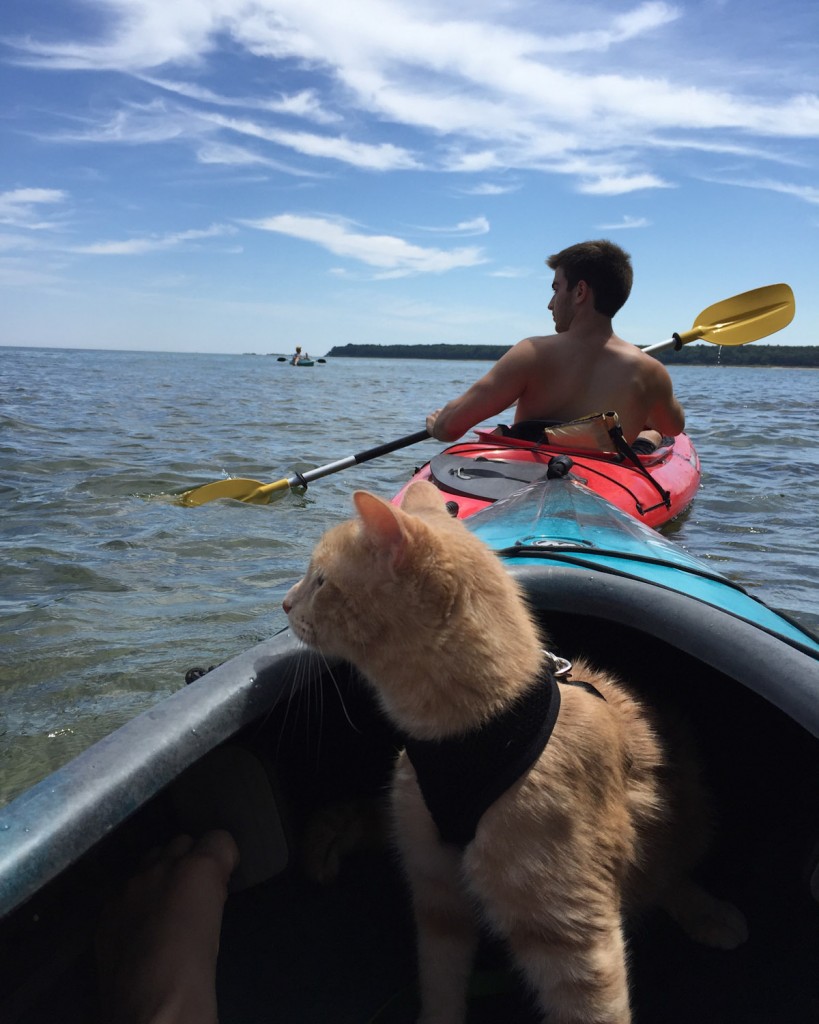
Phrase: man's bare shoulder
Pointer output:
(541, 346)
(542, 339)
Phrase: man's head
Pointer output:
(604, 266)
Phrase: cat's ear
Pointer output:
(383, 524)
(423, 496)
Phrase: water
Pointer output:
(110, 591)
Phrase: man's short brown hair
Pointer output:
(604, 266)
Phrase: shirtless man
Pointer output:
(584, 368)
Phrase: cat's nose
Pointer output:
(286, 605)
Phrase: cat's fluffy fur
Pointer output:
(603, 820)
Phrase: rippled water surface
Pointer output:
(110, 591)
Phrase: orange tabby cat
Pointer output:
(537, 804)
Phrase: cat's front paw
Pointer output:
(721, 925)
(704, 918)
(340, 829)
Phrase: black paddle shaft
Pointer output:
(391, 446)
(302, 479)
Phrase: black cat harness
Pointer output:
(461, 777)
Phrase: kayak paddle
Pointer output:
(738, 320)
(257, 493)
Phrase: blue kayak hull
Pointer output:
(563, 523)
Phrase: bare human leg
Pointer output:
(157, 944)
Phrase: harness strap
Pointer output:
(460, 777)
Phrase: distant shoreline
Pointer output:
(752, 354)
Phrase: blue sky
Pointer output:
(246, 175)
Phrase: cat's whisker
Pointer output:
(293, 697)
(350, 722)
(288, 684)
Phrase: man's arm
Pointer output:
(494, 392)
(667, 415)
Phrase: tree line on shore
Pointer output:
(693, 355)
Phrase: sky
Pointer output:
(248, 175)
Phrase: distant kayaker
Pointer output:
(297, 356)
(584, 368)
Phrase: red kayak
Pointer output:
(474, 474)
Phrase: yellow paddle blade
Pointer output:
(743, 318)
(252, 491)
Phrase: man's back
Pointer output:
(568, 377)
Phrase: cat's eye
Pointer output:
(318, 579)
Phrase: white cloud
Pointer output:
(21, 207)
(153, 243)
(135, 124)
(489, 189)
(619, 184)
(304, 104)
(373, 157)
(626, 223)
(511, 272)
(807, 193)
(212, 152)
(476, 226)
(394, 256)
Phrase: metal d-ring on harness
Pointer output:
(561, 669)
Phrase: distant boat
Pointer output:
(301, 361)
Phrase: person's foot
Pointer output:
(157, 944)
(654, 436)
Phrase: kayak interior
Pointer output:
(287, 738)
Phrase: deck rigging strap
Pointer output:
(625, 449)
(589, 432)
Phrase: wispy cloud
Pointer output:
(305, 104)
(21, 207)
(157, 122)
(487, 188)
(382, 156)
(619, 184)
(626, 223)
(213, 152)
(807, 193)
(133, 124)
(476, 226)
(153, 243)
(511, 272)
(394, 256)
